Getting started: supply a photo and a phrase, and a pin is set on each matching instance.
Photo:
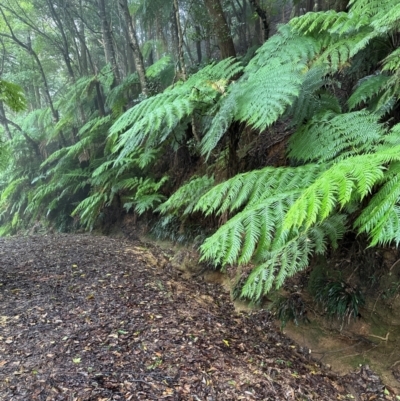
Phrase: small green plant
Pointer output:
(338, 298)
(391, 291)
(290, 308)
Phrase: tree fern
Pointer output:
(378, 218)
(335, 136)
(155, 118)
(392, 62)
(281, 263)
(370, 8)
(350, 179)
(313, 97)
(247, 189)
(184, 200)
(387, 19)
(12, 95)
(367, 88)
(270, 84)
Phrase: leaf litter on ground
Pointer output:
(90, 318)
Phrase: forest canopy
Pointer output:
(266, 130)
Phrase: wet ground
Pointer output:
(87, 318)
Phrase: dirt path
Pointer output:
(92, 318)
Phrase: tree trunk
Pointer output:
(221, 28)
(4, 121)
(109, 50)
(263, 16)
(182, 65)
(65, 45)
(198, 43)
(134, 44)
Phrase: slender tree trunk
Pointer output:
(127, 50)
(65, 44)
(109, 50)
(198, 43)
(263, 16)
(83, 48)
(221, 28)
(4, 121)
(161, 37)
(134, 44)
(182, 65)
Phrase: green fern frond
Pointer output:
(159, 67)
(312, 98)
(370, 7)
(248, 189)
(338, 53)
(146, 196)
(348, 180)
(95, 123)
(89, 209)
(268, 93)
(392, 62)
(12, 95)
(318, 21)
(335, 136)
(13, 187)
(377, 218)
(293, 256)
(387, 20)
(270, 84)
(58, 154)
(155, 118)
(184, 200)
(249, 232)
(392, 138)
(367, 88)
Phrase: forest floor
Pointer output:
(95, 318)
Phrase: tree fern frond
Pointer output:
(147, 196)
(89, 209)
(348, 180)
(338, 53)
(255, 186)
(243, 233)
(335, 136)
(392, 62)
(187, 196)
(367, 88)
(370, 7)
(387, 20)
(312, 99)
(376, 218)
(268, 93)
(13, 187)
(318, 21)
(159, 67)
(94, 124)
(293, 256)
(12, 95)
(392, 138)
(153, 120)
(270, 84)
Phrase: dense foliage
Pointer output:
(106, 144)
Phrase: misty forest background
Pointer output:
(265, 131)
